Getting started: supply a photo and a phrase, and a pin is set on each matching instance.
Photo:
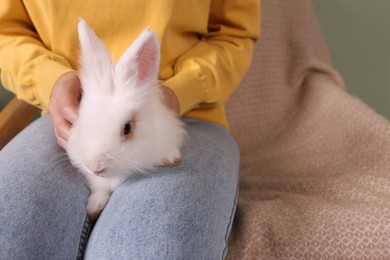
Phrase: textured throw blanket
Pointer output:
(315, 173)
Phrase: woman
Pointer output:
(177, 212)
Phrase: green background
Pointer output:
(358, 36)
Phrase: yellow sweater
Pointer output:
(206, 45)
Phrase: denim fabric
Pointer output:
(181, 212)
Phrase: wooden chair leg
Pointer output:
(13, 118)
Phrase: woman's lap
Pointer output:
(42, 198)
(174, 212)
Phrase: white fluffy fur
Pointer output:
(113, 94)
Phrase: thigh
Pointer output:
(42, 198)
(175, 212)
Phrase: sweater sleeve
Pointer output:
(209, 72)
(28, 68)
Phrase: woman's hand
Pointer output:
(170, 100)
(63, 105)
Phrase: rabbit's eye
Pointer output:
(127, 128)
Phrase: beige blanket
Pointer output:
(315, 175)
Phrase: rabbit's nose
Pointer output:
(97, 167)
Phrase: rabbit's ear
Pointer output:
(141, 60)
(95, 59)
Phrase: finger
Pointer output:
(60, 141)
(170, 100)
(65, 99)
(61, 128)
(69, 107)
(70, 112)
(64, 130)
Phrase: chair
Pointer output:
(13, 118)
(315, 171)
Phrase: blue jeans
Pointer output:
(182, 212)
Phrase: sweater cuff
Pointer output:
(48, 71)
(188, 85)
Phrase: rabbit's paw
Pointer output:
(96, 203)
(173, 162)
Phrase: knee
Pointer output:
(161, 225)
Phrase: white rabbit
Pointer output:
(123, 128)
